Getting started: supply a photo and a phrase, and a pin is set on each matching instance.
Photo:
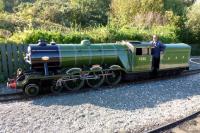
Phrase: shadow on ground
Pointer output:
(130, 96)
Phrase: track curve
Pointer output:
(191, 60)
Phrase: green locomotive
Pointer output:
(70, 66)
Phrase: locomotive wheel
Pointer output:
(56, 89)
(98, 81)
(31, 90)
(74, 85)
(114, 77)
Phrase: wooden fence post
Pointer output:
(15, 57)
(1, 66)
(10, 59)
(4, 60)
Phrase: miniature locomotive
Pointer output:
(57, 66)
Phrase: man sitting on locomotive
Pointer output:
(158, 48)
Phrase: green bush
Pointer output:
(98, 35)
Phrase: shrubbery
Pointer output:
(97, 35)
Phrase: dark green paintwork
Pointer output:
(123, 54)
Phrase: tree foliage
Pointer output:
(146, 12)
(89, 12)
(177, 6)
(194, 21)
(66, 16)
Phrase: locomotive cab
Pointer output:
(175, 56)
(141, 56)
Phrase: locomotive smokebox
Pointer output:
(36, 53)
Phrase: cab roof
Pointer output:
(137, 43)
(149, 44)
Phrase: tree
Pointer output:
(146, 12)
(193, 22)
(177, 6)
(2, 5)
(128, 12)
(89, 12)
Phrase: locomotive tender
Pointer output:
(57, 66)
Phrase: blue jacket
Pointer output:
(158, 47)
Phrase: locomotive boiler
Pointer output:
(72, 55)
(57, 66)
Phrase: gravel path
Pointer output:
(131, 107)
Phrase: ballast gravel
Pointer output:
(133, 107)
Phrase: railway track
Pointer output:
(190, 72)
(195, 60)
(169, 126)
(19, 96)
(12, 97)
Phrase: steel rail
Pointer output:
(10, 94)
(174, 124)
(191, 60)
(11, 97)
